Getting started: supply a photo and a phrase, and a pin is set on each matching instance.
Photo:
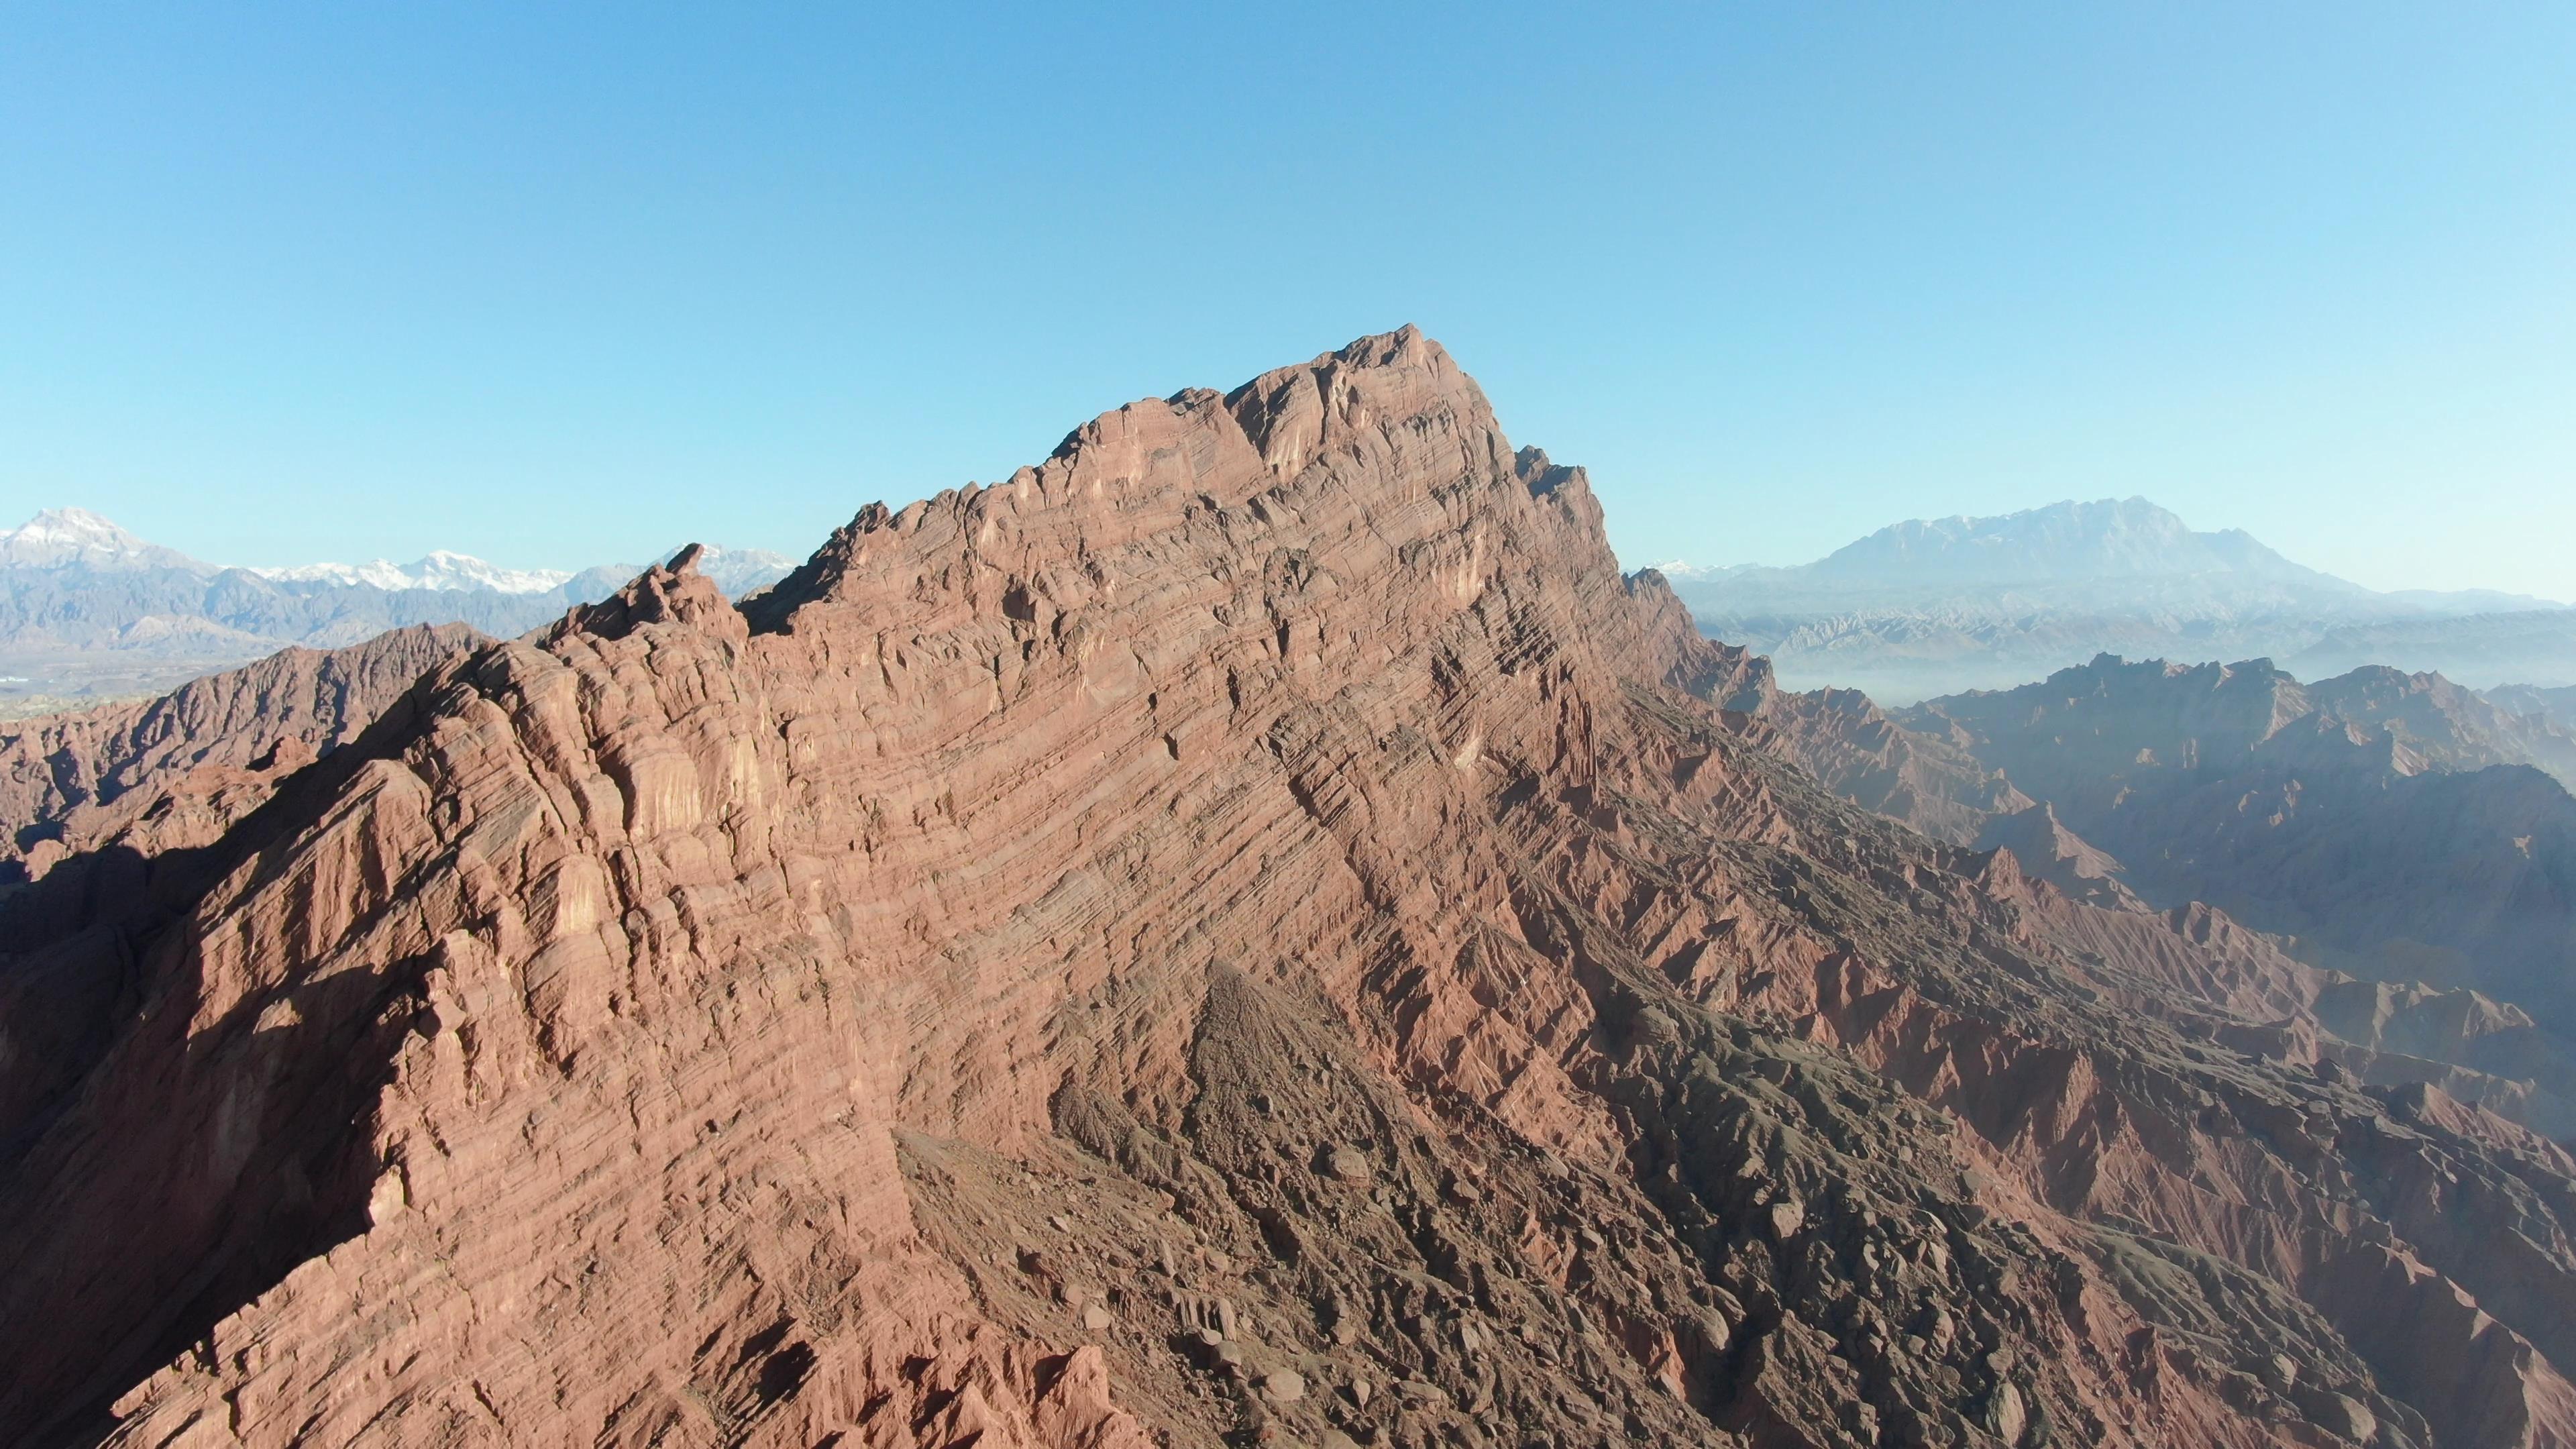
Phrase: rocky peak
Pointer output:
(671, 593)
(1250, 930)
(59, 538)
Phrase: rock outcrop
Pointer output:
(63, 778)
(1250, 931)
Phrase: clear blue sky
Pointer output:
(557, 284)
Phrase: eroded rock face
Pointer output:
(111, 820)
(1252, 927)
(63, 776)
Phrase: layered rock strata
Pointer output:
(63, 777)
(1250, 931)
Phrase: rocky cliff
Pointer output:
(1249, 931)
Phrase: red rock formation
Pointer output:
(63, 777)
(1250, 927)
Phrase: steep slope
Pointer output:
(1851, 746)
(89, 801)
(1252, 928)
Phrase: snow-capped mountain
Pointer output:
(62, 538)
(90, 610)
(440, 570)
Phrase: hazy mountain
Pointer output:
(2527, 646)
(2556, 705)
(89, 611)
(440, 570)
(2401, 826)
(2079, 542)
(1939, 605)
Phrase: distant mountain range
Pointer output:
(2397, 827)
(440, 570)
(88, 611)
(1935, 606)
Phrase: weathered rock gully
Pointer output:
(1252, 930)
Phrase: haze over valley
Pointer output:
(1936, 606)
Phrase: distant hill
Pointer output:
(1941, 605)
(2558, 706)
(89, 611)
(2526, 646)
(2076, 542)
(2400, 826)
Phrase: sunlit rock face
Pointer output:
(1252, 930)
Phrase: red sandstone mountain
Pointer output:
(64, 777)
(1250, 931)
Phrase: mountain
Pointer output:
(66, 538)
(75, 783)
(2079, 542)
(88, 611)
(2555, 706)
(2385, 823)
(1942, 605)
(439, 570)
(736, 570)
(2399, 826)
(2528, 646)
(1252, 930)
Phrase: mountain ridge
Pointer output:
(2080, 539)
(2400, 826)
(90, 611)
(1936, 606)
(1251, 929)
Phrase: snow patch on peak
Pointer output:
(75, 537)
(440, 569)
